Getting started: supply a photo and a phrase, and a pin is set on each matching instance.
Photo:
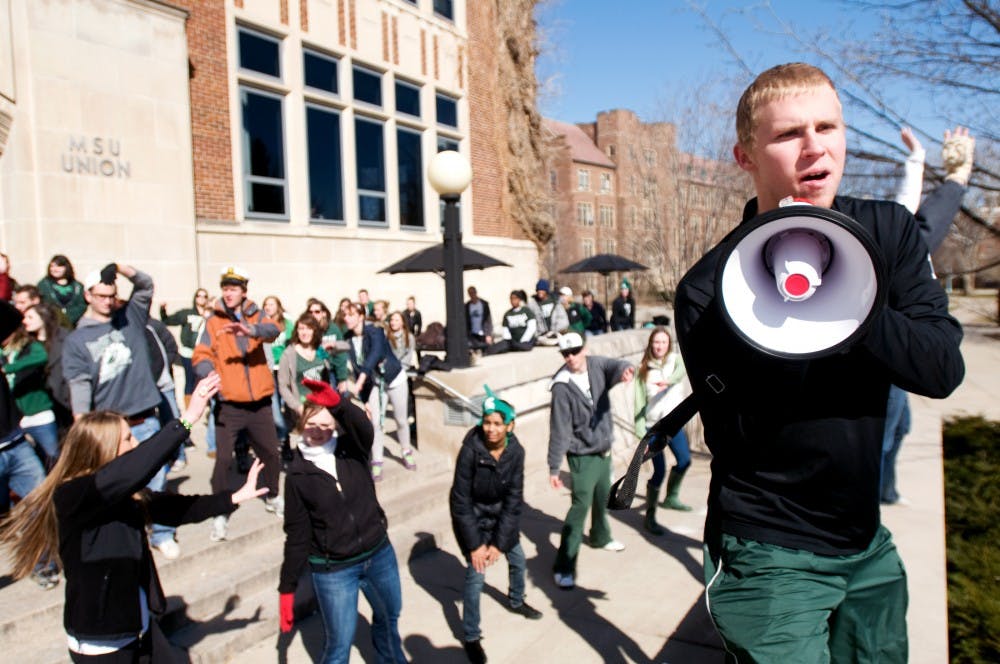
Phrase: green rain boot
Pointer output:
(672, 500)
(650, 521)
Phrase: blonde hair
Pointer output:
(648, 355)
(31, 530)
(777, 82)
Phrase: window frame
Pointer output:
(249, 178)
(419, 134)
(310, 51)
(372, 193)
(366, 69)
(254, 32)
(307, 105)
(397, 81)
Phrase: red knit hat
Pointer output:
(321, 393)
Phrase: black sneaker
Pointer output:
(474, 651)
(527, 611)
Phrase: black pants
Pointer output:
(507, 346)
(257, 420)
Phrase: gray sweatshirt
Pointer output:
(107, 364)
(578, 425)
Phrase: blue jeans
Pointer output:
(337, 596)
(474, 587)
(144, 431)
(46, 436)
(897, 425)
(682, 454)
(277, 406)
(20, 472)
(210, 431)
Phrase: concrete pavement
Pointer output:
(646, 603)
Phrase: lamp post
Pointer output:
(449, 173)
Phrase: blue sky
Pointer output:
(651, 56)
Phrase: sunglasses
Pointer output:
(315, 311)
(570, 351)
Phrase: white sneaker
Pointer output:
(169, 548)
(614, 545)
(564, 581)
(178, 466)
(220, 526)
(276, 505)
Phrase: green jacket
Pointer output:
(68, 299)
(338, 361)
(25, 371)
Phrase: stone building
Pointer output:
(290, 137)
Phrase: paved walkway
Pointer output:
(645, 604)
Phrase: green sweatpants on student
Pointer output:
(591, 483)
(772, 604)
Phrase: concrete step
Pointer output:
(210, 579)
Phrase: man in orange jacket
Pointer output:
(232, 343)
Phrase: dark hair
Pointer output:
(309, 321)
(50, 321)
(520, 294)
(62, 261)
(358, 309)
(338, 317)
(319, 303)
(194, 298)
(30, 289)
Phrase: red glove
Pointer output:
(321, 393)
(286, 603)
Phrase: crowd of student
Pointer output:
(798, 565)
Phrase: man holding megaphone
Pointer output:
(792, 330)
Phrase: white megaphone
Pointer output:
(801, 281)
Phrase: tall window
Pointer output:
(369, 143)
(326, 183)
(447, 110)
(585, 214)
(259, 53)
(607, 216)
(650, 157)
(320, 71)
(553, 180)
(583, 179)
(588, 248)
(605, 183)
(263, 153)
(367, 86)
(411, 185)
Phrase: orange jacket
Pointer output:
(240, 360)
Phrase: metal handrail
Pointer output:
(469, 404)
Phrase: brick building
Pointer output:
(288, 136)
(620, 185)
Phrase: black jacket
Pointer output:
(487, 494)
(487, 319)
(623, 313)
(332, 519)
(797, 445)
(598, 318)
(102, 537)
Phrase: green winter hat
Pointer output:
(626, 284)
(494, 404)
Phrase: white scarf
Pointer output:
(322, 456)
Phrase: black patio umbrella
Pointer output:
(605, 264)
(431, 259)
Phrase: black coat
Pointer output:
(797, 445)
(333, 519)
(102, 537)
(378, 360)
(487, 494)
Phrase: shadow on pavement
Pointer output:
(694, 640)
(576, 608)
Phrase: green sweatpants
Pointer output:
(772, 604)
(591, 483)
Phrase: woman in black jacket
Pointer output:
(486, 501)
(333, 522)
(93, 510)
